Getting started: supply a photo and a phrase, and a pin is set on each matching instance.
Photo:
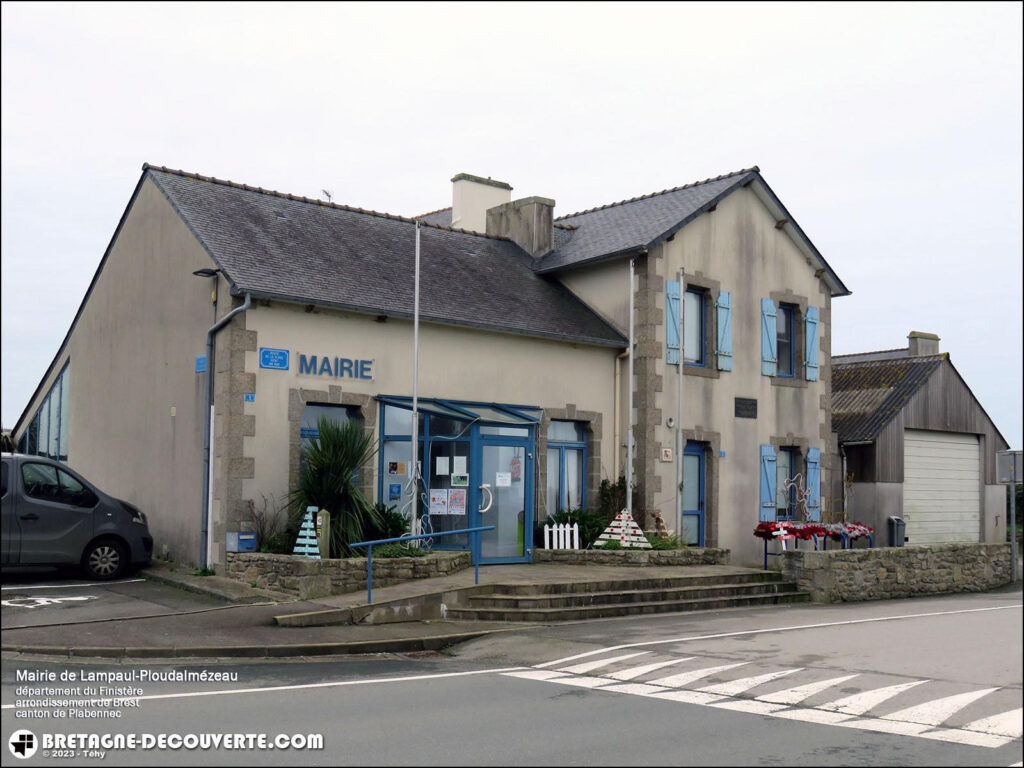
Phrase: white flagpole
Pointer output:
(414, 454)
(629, 403)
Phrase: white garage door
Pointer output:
(941, 486)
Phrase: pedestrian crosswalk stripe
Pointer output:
(688, 697)
(637, 689)
(819, 716)
(537, 674)
(801, 692)
(735, 687)
(848, 712)
(582, 681)
(751, 706)
(861, 703)
(675, 681)
(1003, 724)
(634, 672)
(592, 665)
(938, 711)
(970, 738)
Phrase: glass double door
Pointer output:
(486, 480)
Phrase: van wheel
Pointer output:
(105, 559)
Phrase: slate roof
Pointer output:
(297, 249)
(867, 395)
(640, 222)
(441, 218)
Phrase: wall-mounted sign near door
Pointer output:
(276, 359)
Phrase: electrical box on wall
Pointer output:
(1009, 467)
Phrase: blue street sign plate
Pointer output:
(276, 359)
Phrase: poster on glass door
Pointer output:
(457, 501)
(439, 501)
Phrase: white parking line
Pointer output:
(736, 687)
(305, 686)
(67, 586)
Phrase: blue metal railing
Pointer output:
(371, 544)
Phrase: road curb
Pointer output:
(389, 645)
(235, 594)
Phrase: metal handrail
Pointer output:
(370, 545)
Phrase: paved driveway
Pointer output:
(33, 599)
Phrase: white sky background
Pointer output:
(891, 132)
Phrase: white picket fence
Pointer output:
(562, 536)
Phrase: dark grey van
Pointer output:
(53, 516)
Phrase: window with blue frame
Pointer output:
(47, 432)
(787, 465)
(787, 315)
(566, 466)
(693, 327)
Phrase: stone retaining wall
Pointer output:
(851, 575)
(638, 557)
(318, 578)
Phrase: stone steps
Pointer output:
(624, 596)
(573, 601)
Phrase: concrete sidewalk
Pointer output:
(247, 624)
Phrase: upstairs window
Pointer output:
(694, 326)
(786, 323)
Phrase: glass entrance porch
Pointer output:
(477, 468)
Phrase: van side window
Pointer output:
(40, 481)
(73, 492)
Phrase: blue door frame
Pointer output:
(476, 479)
(477, 442)
(696, 449)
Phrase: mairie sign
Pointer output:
(317, 365)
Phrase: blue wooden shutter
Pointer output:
(769, 338)
(811, 335)
(672, 322)
(724, 305)
(768, 484)
(814, 484)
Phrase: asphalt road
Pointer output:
(894, 683)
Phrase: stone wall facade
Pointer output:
(637, 557)
(318, 578)
(852, 575)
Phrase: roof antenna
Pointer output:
(328, 194)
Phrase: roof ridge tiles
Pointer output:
(431, 213)
(752, 169)
(894, 360)
(313, 201)
(871, 352)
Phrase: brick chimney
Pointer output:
(919, 343)
(529, 223)
(472, 196)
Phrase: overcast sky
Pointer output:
(892, 133)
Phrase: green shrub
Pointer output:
(328, 480)
(591, 524)
(392, 524)
(398, 550)
(664, 542)
(610, 545)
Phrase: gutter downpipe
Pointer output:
(211, 369)
(618, 416)
(680, 445)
